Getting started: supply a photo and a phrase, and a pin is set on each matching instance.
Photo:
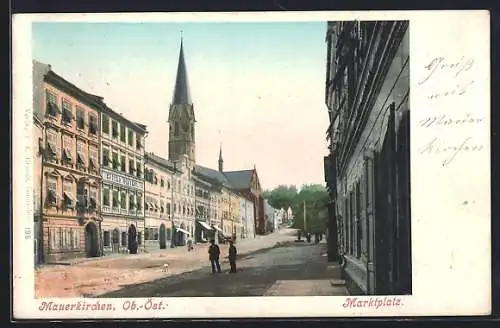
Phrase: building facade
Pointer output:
(70, 178)
(367, 169)
(247, 218)
(123, 190)
(160, 176)
(38, 146)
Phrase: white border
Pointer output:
(450, 240)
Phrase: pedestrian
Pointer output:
(213, 253)
(190, 245)
(308, 237)
(232, 256)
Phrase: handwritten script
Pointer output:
(450, 151)
(452, 72)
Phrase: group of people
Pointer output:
(214, 254)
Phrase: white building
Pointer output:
(247, 218)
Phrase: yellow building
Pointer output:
(160, 176)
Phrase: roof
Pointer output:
(181, 90)
(161, 161)
(240, 179)
(212, 175)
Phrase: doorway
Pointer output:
(163, 243)
(91, 240)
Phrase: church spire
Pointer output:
(221, 161)
(182, 95)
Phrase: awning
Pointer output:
(204, 225)
(183, 231)
(81, 157)
(218, 229)
(68, 195)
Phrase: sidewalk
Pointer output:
(95, 276)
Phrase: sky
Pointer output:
(257, 88)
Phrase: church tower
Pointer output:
(181, 117)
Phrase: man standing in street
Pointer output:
(232, 256)
(214, 252)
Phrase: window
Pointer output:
(162, 182)
(123, 200)
(162, 207)
(51, 103)
(139, 202)
(138, 169)
(80, 153)
(64, 238)
(146, 234)
(192, 131)
(80, 118)
(67, 149)
(114, 129)
(51, 143)
(68, 193)
(176, 129)
(155, 234)
(169, 233)
(107, 238)
(105, 196)
(105, 157)
(123, 135)
(139, 238)
(131, 166)
(116, 201)
(93, 198)
(93, 157)
(124, 238)
(51, 190)
(114, 161)
(92, 124)
(131, 202)
(130, 137)
(168, 184)
(105, 124)
(123, 163)
(67, 114)
(138, 142)
(116, 236)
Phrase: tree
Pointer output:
(315, 200)
(281, 196)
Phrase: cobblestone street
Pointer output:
(290, 269)
(97, 276)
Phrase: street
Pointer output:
(301, 266)
(272, 264)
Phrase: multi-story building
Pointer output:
(203, 195)
(70, 181)
(247, 218)
(159, 176)
(122, 171)
(367, 169)
(183, 202)
(39, 72)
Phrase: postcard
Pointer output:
(224, 165)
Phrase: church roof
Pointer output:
(182, 95)
(240, 179)
(212, 175)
